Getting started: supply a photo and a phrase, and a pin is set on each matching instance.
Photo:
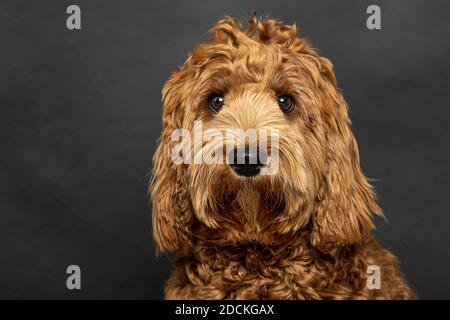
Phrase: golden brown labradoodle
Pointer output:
(302, 232)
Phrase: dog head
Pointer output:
(272, 86)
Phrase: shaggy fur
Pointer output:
(304, 233)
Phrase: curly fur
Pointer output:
(304, 233)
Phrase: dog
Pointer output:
(301, 231)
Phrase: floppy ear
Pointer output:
(171, 216)
(346, 201)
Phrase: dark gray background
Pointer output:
(80, 114)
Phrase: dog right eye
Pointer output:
(286, 103)
(216, 102)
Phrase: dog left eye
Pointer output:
(216, 102)
(286, 103)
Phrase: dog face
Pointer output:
(272, 86)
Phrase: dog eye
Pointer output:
(215, 102)
(286, 103)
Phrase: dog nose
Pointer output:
(247, 161)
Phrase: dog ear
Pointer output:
(171, 216)
(345, 201)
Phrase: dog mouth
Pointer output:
(227, 187)
(250, 200)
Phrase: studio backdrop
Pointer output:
(80, 115)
